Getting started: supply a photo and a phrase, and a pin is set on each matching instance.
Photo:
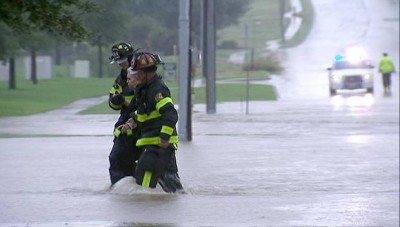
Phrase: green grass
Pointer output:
(232, 92)
(51, 94)
(263, 20)
(47, 95)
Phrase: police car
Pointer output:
(350, 72)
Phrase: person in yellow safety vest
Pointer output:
(156, 118)
(386, 68)
(124, 152)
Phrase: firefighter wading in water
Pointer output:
(156, 119)
(124, 152)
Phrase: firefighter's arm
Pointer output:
(169, 118)
(115, 99)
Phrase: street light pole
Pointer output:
(208, 54)
(282, 17)
(246, 37)
(184, 108)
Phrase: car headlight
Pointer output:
(336, 78)
(368, 76)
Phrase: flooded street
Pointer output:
(305, 160)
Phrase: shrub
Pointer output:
(228, 44)
(269, 63)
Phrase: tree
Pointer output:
(105, 25)
(8, 45)
(155, 24)
(227, 12)
(59, 18)
(33, 43)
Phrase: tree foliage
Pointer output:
(150, 25)
(62, 18)
(106, 23)
(154, 25)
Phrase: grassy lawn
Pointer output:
(263, 22)
(51, 94)
(48, 94)
(225, 93)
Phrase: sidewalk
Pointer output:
(63, 121)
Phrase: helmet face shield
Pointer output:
(120, 61)
(115, 57)
(121, 52)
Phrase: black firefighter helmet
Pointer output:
(121, 52)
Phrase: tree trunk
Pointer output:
(100, 46)
(57, 53)
(11, 79)
(33, 66)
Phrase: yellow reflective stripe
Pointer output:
(146, 179)
(128, 98)
(148, 141)
(163, 102)
(129, 132)
(113, 90)
(117, 132)
(154, 140)
(167, 130)
(115, 106)
(145, 117)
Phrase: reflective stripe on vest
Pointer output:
(145, 117)
(154, 140)
(163, 102)
(167, 130)
(128, 98)
(155, 113)
(115, 106)
(117, 132)
(129, 132)
(114, 90)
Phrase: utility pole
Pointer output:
(246, 47)
(282, 17)
(208, 54)
(189, 82)
(184, 81)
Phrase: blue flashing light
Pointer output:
(339, 57)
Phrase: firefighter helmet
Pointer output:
(121, 52)
(145, 60)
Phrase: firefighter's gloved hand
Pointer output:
(129, 125)
(117, 99)
(124, 128)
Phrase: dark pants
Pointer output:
(386, 79)
(169, 180)
(157, 165)
(123, 157)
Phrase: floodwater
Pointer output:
(306, 160)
